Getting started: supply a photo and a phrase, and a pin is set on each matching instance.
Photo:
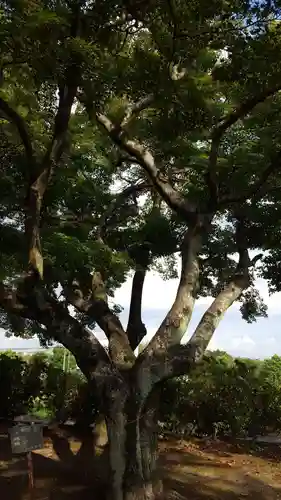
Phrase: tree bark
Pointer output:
(132, 441)
(175, 324)
(214, 314)
(136, 329)
(174, 199)
(95, 305)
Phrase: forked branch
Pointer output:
(135, 109)
(94, 304)
(228, 295)
(40, 179)
(176, 321)
(60, 325)
(174, 199)
(177, 359)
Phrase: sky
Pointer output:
(258, 340)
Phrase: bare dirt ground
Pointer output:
(199, 470)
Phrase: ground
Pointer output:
(193, 469)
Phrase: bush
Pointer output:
(225, 397)
(221, 397)
(38, 384)
(13, 374)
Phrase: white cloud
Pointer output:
(244, 341)
(157, 293)
(17, 342)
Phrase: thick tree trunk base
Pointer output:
(132, 445)
(151, 491)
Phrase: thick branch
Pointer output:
(59, 325)
(119, 347)
(88, 351)
(96, 307)
(135, 109)
(213, 316)
(229, 294)
(136, 329)
(174, 199)
(242, 110)
(175, 323)
(39, 182)
(40, 179)
(20, 124)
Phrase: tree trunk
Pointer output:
(132, 441)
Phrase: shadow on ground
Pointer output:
(67, 468)
(71, 467)
(202, 470)
(197, 489)
(226, 448)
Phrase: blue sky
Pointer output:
(258, 340)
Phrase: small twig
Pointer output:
(132, 190)
(217, 134)
(255, 190)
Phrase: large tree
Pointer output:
(178, 102)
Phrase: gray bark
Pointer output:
(175, 324)
(132, 442)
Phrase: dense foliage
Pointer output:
(206, 79)
(225, 397)
(44, 384)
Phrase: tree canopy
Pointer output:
(189, 98)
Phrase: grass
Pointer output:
(66, 469)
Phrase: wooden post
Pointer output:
(30, 475)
